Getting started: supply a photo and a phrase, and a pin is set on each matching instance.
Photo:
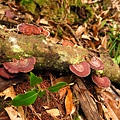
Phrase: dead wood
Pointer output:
(87, 103)
(5, 83)
(51, 56)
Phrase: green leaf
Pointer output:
(25, 99)
(117, 60)
(41, 93)
(58, 86)
(103, 24)
(34, 79)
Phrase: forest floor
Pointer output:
(90, 24)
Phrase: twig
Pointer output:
(115, 90)
(71, 30)
(31, 107)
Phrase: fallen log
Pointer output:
(51, 56)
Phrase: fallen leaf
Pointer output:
(85, 36)
(95, 30)
(9, 92)
(67, 79)
(79, 31)
(53, 112)
(104, 42)
(70, 108)
(14, 114)
(63, 91)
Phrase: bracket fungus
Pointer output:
(82, 69)
(96, 64)
(4, 73)
(67, 43)
(28, 29)
(22, 65)
(44, 32)
(102, 82)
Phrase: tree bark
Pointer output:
(51, 56)
(87, 103)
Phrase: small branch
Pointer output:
(73, 33)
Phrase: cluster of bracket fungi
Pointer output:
(83, 69)
(30, 29)
(11, 69)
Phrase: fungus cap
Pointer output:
(82, 69)
(96, 64)
(22, 65)
(44, 31)
(4, 73)
(28, 29)
(102, 82)
(67, 43)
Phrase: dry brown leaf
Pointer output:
(70, 108)
(67, 79)
(9, 92)
(15, 113)
(95, 30)
(86, 36)
(63, 91)
(104, 42)
(110, 107)
(91, 44)
(111, 104)
(80, 30)
(53, 112)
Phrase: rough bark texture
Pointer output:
(5, 83)
(87, 103)
(50, 56)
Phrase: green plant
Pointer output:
(36, 91)
(114, 47)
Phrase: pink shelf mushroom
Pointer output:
(22, 65)
(28, 29)
(82, 69)
(4, 73)
(67, 43)
(102, 82)
(44, 32)
(96, 64)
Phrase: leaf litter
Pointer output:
(86, 26)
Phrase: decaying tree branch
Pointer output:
(87, 103)
(51, 56)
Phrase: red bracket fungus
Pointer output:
(82, 69)
(67, 43)
(4, 73)
(22, 65)
(44, 32)
(102, 82)
(28, 29)
(96, 64)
